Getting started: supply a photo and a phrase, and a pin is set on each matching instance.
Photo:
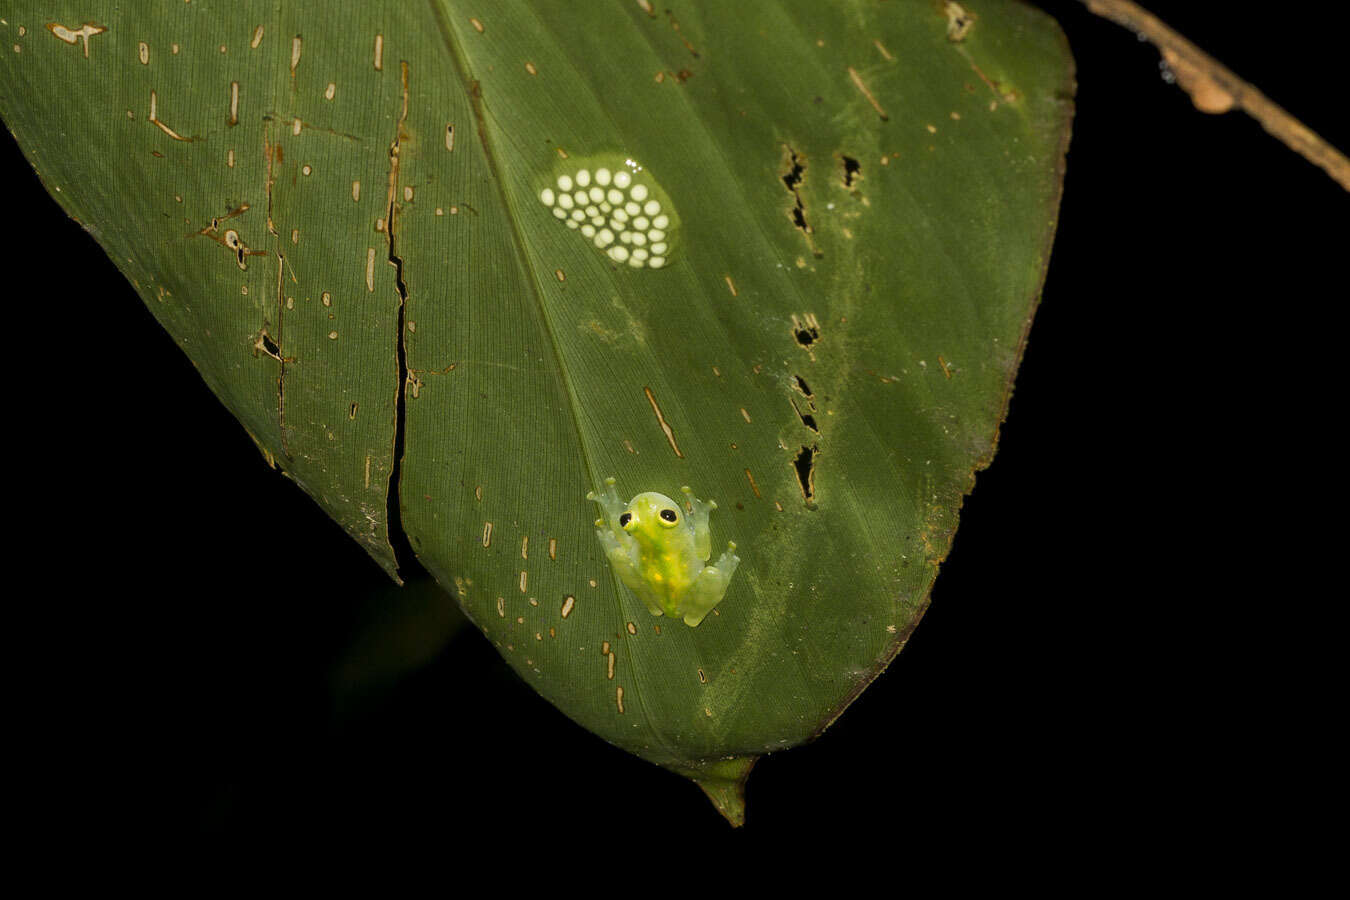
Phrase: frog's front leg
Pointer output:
(710, 587)
(611, 504)
(619, 547)
(698, 512)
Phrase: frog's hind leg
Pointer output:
(710, 587)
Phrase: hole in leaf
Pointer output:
(852, 170)
(808, 416)
(792, 178)
(805, 467)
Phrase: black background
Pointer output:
(1114, 634)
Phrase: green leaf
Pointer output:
(340, 220)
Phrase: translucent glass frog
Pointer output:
(658, 547)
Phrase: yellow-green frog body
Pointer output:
(659, 549)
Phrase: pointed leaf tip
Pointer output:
(724, 784)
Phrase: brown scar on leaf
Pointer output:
(1001, 90)
(959, 22)
(445, 371)
(71, 35)
(661, 420)
(862, 87)
(229, 238)
(675, 26)
(153, 118)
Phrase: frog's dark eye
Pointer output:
(668, 515)
(625, 519)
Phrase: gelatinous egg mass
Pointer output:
(615, 205)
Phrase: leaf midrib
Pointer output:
(469, 84)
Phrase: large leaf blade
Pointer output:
(864, 206)
(712, 337)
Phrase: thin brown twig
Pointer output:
(1215, 89)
